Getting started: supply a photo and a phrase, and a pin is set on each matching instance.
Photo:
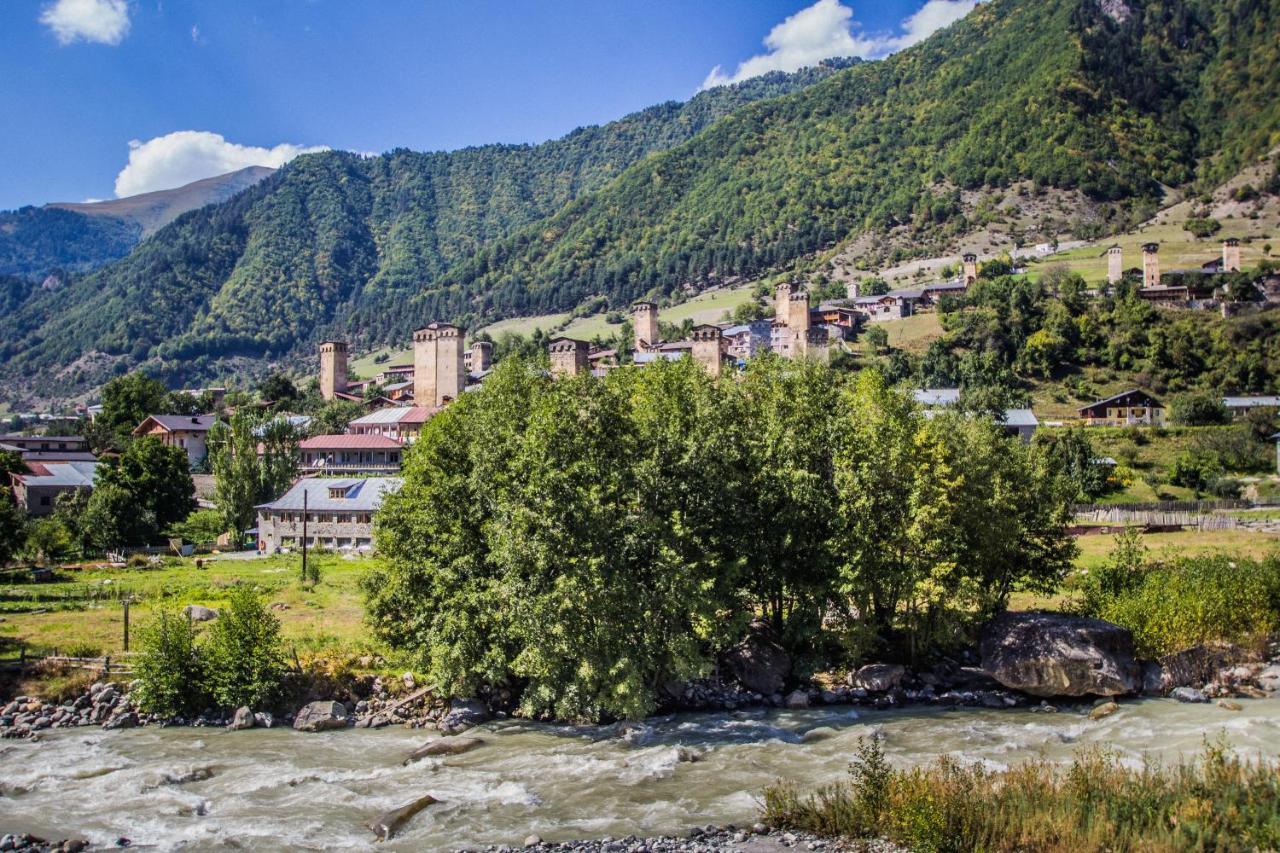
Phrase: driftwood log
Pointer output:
(385, 826)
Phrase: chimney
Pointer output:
(1150, 265)
(708, 349)
(646, 322)
(782, 305)
(569, 357)
(333, 369)
(481, 356)
(424, 366)
(451, 370)
(1115, 265)
(1231, 255)
(970, 268)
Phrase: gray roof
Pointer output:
(1020, 418)
(362, 494)
(68, 474)
(1246, 402)
(188, 423)
(651, 357)
(937, 396)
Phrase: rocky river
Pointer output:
(266, 789)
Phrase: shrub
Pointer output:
(1197, 410)
(1191, 600)
(170, 674)
(244, 660)
(1203, 228)
(1096, 803)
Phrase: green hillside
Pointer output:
(37, 240)
(334, 242)
(1113, 105)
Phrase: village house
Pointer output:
(338, 514)
(48, 448)
(1125, 409)
(368, 454)
(36, 490)
(189, 432)
(1239, 407)
(746, 339)
(1020, 422)
(402, 423)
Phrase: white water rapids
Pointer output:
(278, 789)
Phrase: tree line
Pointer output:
(590, 540)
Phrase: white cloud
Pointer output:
(188, 155)
(827, 30)
(102, 21)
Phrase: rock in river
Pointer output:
(878, 677)
(387, 825)
(1053, 654)
(445, 746)
(243, 719)
(758, 662)
(1189, 694)
(320, 716)
(463, 714)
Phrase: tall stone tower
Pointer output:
(646, 323)
(569, 357)
(851, 289)
(424, 366)
(969, 273)
(1231, 255)
(1115, 265)
(782, 304)
(708, 348)
(451, 369)
(1150, 265)
(333, 369)
(798, 321)
(481, 356)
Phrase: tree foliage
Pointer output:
(594, 539)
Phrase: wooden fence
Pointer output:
(1171, 506)
(1159, 519)
(117, 664)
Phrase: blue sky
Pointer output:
(85, 78)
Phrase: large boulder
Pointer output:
(878, 677)
(1052, 654)
(758, 663)
(1201, 664)
(243, 719)
(197, 613)
(464, 714)
(320, 716)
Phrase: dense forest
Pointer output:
(735, 183)
(37, 240)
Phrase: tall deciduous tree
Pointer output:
(243, 477)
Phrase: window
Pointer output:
(337, 493)
(44, 500)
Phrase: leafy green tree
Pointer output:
(332, 418)
(137, 495)
(10, 463)
(47, 538)
(280, 391)
(245, 477)
(1075, 456)
(126, 402)
(1197, 409)
(200, 527)
(113, 519)
(169, 670)
(13, 526)
(70, 508)
(243, 655)
(877, 337)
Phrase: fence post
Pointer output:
(106, 667)
(126, 624)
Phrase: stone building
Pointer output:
(333, 369)
(36, 490)
(569, 357)
(439, 364)
(189, 432)
(1231, 255)
(339, 514)
(709, 348)
(1150, 265)
(969, 263)
(645, 318)
(1115, 265)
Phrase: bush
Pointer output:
(243, 656)
(170, 673)
(1197, 410)
(1097, 803)
(1193, 600)
(1203, 228)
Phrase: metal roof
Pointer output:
(349, 442)
(394, 415)
(1106, 400)
(360, 494)
(937, 396)
(1020, 418)
(1246, 402)
(69, 474)
(186, 423)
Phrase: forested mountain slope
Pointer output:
(324, 237)
(1109, 99)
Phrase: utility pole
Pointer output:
(125, 601)
(304, 534)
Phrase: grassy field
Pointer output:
(913, 334)
(84, 612)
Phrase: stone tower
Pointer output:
(969, 273)
(1231, 255)
(646, 322)
(851, 289)
(798, 321)
(569, 357)
(424, 366)
(481, 356)
(708, 348)
(333, 369)
(451, 369)
(1115, 265)
(782, 304)
(1150, 265)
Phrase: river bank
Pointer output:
(277, 788)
